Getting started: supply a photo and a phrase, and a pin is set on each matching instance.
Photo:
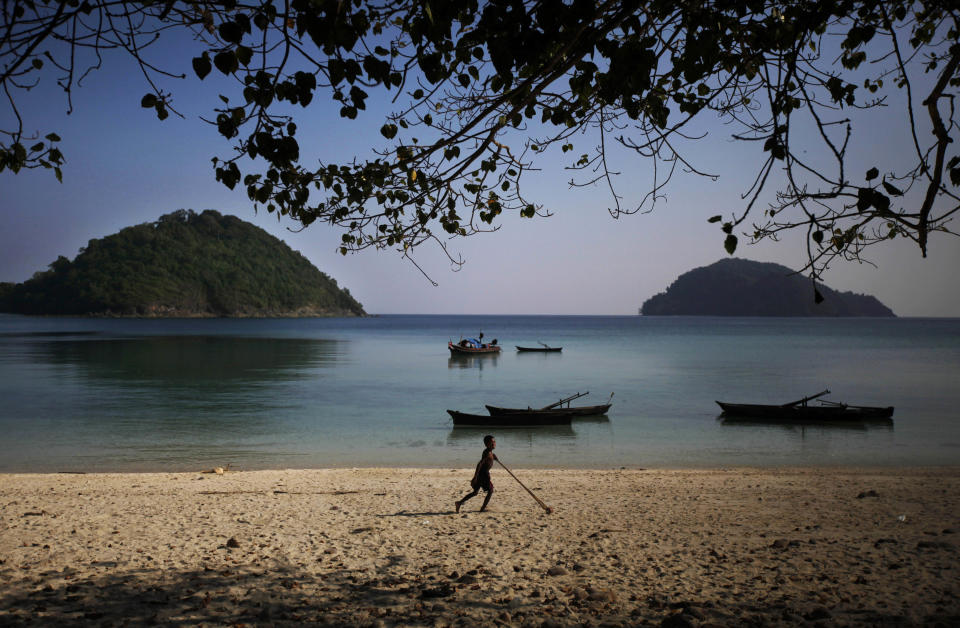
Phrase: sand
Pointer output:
(383, 547)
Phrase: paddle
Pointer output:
(537, 499)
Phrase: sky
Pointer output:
(125, 167)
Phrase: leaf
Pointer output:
(817, 236)
(881, 202)
(53, 137)
(148, 101)
(244, 55)
(872, 173)
(226, 62)
(864, 199)
(716, 218)
(954, 166)
(891, 190)
(389, 131)
(202, 66)
(231, 32)
(730, 243)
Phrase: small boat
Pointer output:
(472, 346)
(516, 419)
(797, 411)
(575, 411)
(553, 407)
(544, 349)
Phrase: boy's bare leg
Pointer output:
(466, 497)
(486, 500)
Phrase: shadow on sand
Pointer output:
(232, 596)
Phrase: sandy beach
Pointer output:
(383, 547)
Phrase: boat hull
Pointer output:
(456, 349)
(800, 413)
(510, 420)
(578, 411)
(539, 349)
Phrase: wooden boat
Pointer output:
(575, 410)
(521, 419)
(544, 349)
(472, 346)
(798, 411)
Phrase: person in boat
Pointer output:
(481, 476)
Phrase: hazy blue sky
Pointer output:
(125, 167)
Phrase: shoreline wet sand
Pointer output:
(383, 547)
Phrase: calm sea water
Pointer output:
(122, 395)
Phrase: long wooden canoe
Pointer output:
(522, 419)
(558, 406)
(539, 349)
(575, 411)
(803, 412)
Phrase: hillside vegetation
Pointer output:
(739, 287)
(184, 264)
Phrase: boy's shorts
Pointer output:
(486, 485)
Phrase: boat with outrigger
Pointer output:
(801, 411)
(553, 414)
(511, 419)
(558, 405)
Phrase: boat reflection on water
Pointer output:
(861, 425)
(472, 361)
(592, 418)
(515, 435)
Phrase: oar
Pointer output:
(537, 499)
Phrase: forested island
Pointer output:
(739, 287)
(186, 264)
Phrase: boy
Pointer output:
(481, 477)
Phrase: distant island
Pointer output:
(739, 287)
(183, 265)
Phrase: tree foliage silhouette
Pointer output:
(483, 91)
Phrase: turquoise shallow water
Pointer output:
(123, 395)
